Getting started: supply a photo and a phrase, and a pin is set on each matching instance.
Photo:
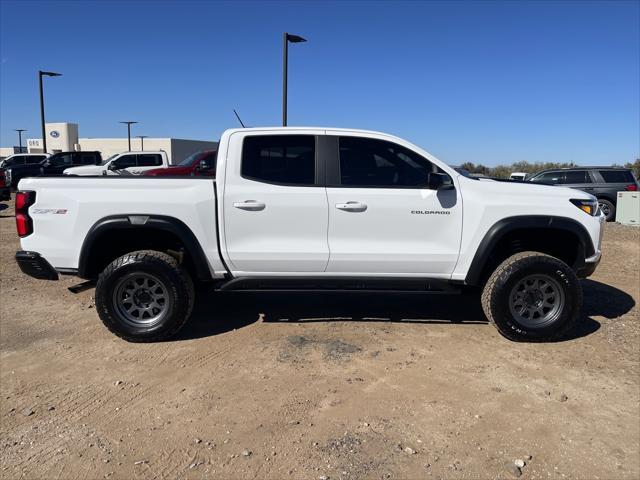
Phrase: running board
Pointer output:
(338, 284)
(81, 287)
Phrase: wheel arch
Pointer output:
(522, 226)
(111, 227)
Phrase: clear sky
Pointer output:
(487, 82)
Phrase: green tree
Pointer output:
(635, 167)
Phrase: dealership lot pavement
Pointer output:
(319, 386)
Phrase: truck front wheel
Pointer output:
(144, 296)
(532, 297)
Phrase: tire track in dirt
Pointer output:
(233, 341)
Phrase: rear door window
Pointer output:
(65, 159)
(576, 176)
(88, 159)
(149, 160)
(280, 159)
(617, 176)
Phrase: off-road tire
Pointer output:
(496, 296)
(162, 266)
(610, 209)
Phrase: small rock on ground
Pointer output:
(513, 469)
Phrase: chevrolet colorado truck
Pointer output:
(313, 208)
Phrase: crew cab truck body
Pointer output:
(126, 163)
(299, 208)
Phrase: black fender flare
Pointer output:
(501, 228)
(157, 222)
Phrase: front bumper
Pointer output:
(34, 265)
(590, 265)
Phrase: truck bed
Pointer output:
(66, 208)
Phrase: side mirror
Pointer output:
(203, 165)
(439, 181)
(113, 166)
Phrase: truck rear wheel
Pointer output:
(144, 296)
(532, 297)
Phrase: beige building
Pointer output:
(63, 137)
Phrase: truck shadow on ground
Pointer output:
(220, 312)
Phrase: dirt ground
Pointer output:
(316, 386)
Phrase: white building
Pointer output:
(63, 137)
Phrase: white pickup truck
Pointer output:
(313, 208)
(126, 163)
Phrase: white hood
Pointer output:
(86, 170)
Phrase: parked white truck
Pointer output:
(126, 163)
(311, 208)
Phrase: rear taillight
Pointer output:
(24, 200)
(631, 188)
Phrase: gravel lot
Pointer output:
(338, 386)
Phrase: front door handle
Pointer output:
(352, 206)
(250, 205)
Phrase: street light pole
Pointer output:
(129, 123)
(142, 137)
(285, 67)
(20, 130)
(44, 133)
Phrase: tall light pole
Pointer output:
(142, 137)
(285, 66)
(20, 130)
(129, 123)
(44, 133)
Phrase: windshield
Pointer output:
(104, 162)
(189, 160)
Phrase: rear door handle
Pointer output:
(250, 205)
(352, 206)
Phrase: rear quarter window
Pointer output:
(617, 176)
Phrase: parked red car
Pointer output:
(199, 164)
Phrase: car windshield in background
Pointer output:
(189, 160)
